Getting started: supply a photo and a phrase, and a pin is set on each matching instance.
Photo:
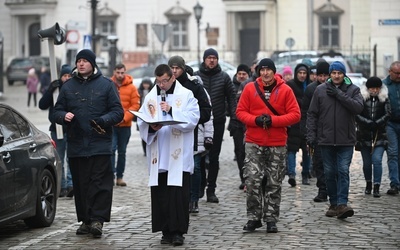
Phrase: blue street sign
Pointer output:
(389, 21)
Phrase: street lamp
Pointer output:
(112, 39)
(198, 10)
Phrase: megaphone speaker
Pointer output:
(55, 32)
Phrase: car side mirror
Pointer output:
(1, 140)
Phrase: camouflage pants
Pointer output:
(264, 171)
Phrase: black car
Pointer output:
(30, 171)
(18, 68)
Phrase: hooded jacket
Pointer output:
(331, 120)
(88, 99)
(251, 105)
(129, 97)
(376, 110)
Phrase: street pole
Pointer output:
(198, 10)
(94, 8)
(112, 53)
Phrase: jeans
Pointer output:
(195, 179)
(374, 159)
(291, 162)
(61, 147)
(393, 134)
(121, 136)
(337, 161)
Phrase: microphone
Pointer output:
(162, 93)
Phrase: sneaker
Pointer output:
(321, 197)
(96, 228)
(344, 211)
(166, 239)
(121, 182)
(70, 192)
(271, 227)
(83, 229)
(212, 198)
(331, 211)
(393, 190)
(178, 240)
(292, 180)
(251, 225)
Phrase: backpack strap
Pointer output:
(265, 100)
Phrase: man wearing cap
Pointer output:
(331, 126)
(296, 139)
(219, 85)
(317, 166)
(47, 102)
(178, 67)
(235, 127)
(265, 163)
(89, 106)
(130, 100)
(392, 81)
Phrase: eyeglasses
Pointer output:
(163, 82)
(97, 128)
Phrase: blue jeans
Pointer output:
(291, 162)
(393, 134)
(61, 147)
(195, 181)
(120, 140)
(336, 160)
(374, 159)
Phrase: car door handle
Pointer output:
(32, 147)
(7, 157)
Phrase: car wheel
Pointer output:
(46, 202)
(10, 82)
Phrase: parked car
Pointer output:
(139, 73)
(18, 68)
(30, 171)
(227, 67)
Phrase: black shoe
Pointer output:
(376, 191)
(178, 240)
(242, 185)
(393, 190)
(195, 207)
(271, 227)
(368, 188)
(166, 239)
(63, 192)
(96, 228)
(251, 225)
(70, 192)
(321, 197)
(212, 198)
(83, 229)
(292, 180)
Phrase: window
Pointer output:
(107, 27)
(329, 31)
(179, 36)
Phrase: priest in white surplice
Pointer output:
(169, 154)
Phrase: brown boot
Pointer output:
(121, 182)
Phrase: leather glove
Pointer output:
(264, 121)
(53, 86)
(208, 142)
(260, 121)
(97, 121)
(331, 90)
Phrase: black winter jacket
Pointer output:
(331, 120)
(371, 123)
(306, 105)
(88, 99)
(220, 88)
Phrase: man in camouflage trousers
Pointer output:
(265, 162)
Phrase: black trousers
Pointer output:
(92, 179)
(170, 206)
(238, 140)
(319, 170)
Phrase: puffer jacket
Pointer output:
(130, 99)
(296, 138)
(376, 110)
(331, 120)
(88, 99)
(220, 88)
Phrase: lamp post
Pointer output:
(112, 53)
(198, 10)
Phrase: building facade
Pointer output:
(241, 30)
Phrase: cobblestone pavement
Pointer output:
(302, 225)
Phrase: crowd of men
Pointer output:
(315, 108)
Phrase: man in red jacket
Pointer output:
(130, 100)
(265, 164)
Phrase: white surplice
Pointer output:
(170, 148)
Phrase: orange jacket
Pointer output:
(130, 99)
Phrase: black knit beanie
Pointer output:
(266, 63)
(88, 55)
(243, 67)
(210, 52)
(374, 82)
(322, 68)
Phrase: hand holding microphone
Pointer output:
(162, 94)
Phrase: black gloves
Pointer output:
(53, 86)
(208, 142)
(264, 121)
(331, 90)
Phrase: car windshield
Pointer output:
(21, 63)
